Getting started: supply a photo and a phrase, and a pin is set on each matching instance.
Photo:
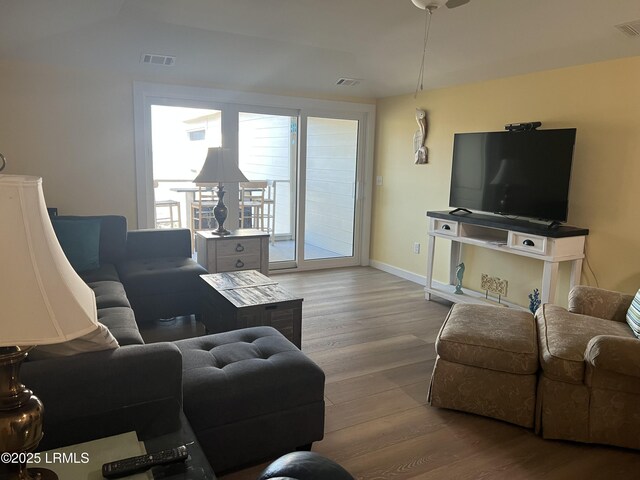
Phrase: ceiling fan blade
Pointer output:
(456, 3)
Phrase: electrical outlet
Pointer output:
(416, 247)
(379, 180)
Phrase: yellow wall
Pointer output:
(74, 128)
(601, 100)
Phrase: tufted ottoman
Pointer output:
(487, 361)
(249, 395)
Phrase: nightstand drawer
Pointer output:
(239, 246)
(527, 243)
(244, 249)
(239, 262)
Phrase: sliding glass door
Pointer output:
(321, 228)
(307, 162)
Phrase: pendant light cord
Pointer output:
(427, 27)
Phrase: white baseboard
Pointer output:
(399, 272)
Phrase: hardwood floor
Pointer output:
(373, 334)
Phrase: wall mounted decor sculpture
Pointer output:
(420, 138)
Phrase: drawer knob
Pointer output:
(529, 243)
(239, 264)
(446, 227)
(239, 248)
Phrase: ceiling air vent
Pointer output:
(348, 82)
(630, 29)
(155, 59)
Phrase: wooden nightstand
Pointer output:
(244, 249)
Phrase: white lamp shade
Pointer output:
(42, 299)
(219, 168)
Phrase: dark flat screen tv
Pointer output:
(513, 173)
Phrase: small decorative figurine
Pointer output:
(534, 300)
(420, 138)
(459, 275)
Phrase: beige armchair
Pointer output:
(589, 384)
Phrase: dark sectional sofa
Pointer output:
(155, 267)
(248, 394)
(143, 275)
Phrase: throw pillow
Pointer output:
(80, 241)
(94, 341)
(633, 315)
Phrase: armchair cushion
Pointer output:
(633, 315)
(563, 339)
(615, 354)
(597, 302)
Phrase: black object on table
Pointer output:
(142, 463)
(196, 467)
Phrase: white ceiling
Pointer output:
(306, 45)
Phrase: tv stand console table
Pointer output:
(517, 237)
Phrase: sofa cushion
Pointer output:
(122, 324)
(158, 243)
(80, 241)
(156, 276)
(563, 338)
(633, 315)
(113, 235)
(106, 272)
(598, 302)
(109, 294)
(494, 338)
(94, 341)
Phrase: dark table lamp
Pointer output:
(42, 301)
(219, 168)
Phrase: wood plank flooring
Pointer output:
(373, 334)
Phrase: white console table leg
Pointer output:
(431, 247)
(576, 273)
(549, 282)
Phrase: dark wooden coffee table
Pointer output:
(235, 300)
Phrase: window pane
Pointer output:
(180, 138)
(267, 152)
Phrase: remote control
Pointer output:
(131, 465)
